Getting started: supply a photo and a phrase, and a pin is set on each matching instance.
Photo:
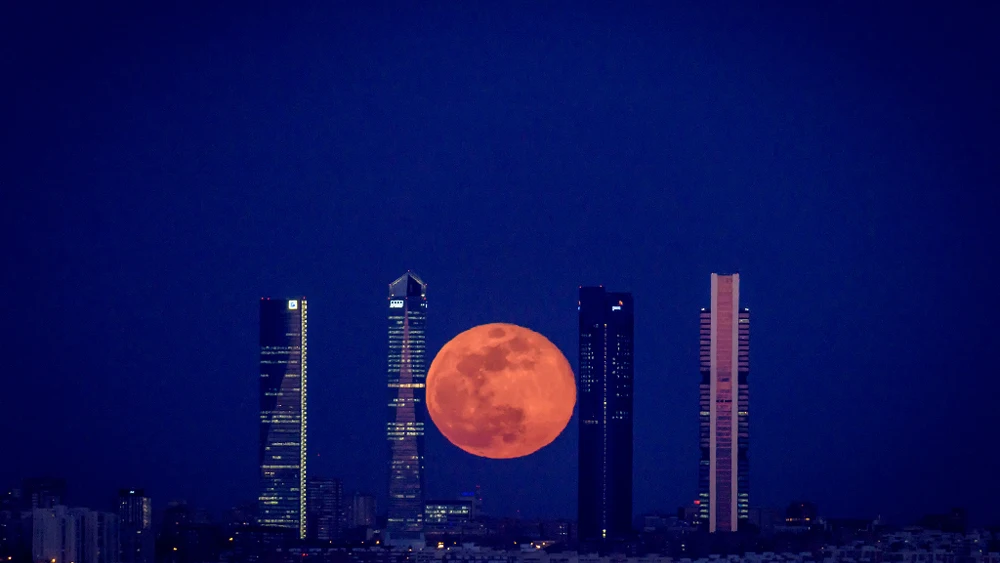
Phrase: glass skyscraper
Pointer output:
(282, 455)
(605, 401)
(407, 313)
(724, 398)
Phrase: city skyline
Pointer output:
(165, 167)
(48, 492)
(724, 345)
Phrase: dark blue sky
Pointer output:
(165, 167)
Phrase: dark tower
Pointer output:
(605, 401)
(135, 526)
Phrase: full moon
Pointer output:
(500, 391)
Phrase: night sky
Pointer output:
(165, 167)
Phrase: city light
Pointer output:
(166, 167)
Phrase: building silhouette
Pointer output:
(14, 543)
(724, 471)
(801, 513)
(605, 375)
(44, 492)
(282, 454)
(135, 526)
(187, 534)
(361, 511)
(407, 370)
(325, 509)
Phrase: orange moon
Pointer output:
(500, 391)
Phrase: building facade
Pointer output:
(325, 512)
(135, 526)
(407, 371)
(282, 455)
(56, 534)
(476, 497)
(361, 512)
(605, 378)
(448, 516)
(724, 470)
(74, 535)
(13, 541)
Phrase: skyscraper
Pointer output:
(325, 513)
(135, 526)
(605, 402)
(724, 470)
(282, 453)
(405, 429)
